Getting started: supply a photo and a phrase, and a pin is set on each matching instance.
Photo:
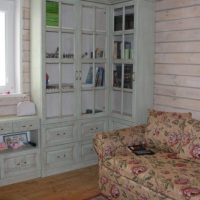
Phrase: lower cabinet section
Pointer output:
(69, 145)
(60, 158)
(87, 152)
(20, 166)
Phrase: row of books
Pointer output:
(99, 79)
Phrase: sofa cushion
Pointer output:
(190, 143)
(164, 130)
(163, 172)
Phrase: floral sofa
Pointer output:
(172, 173)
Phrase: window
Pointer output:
(9, 42)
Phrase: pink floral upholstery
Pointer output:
(190, 143)
(164, 130)
(173, 173)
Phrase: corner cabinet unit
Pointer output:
(21, 159)
(92, 70)
(131, 58)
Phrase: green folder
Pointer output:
(52, 13)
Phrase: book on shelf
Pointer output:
(99, 80)
(117, 76)
(89, 76)
(117, 49)
(128, 80)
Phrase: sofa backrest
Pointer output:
(164, 130)
(190, 143)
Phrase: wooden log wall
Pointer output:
(177, 56)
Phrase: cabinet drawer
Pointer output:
(20, 164)
(60, 156)
(88, 152)
(5, 127)
(89, 129)
(25, 125)
(59, 135)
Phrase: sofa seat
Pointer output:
(164, 173)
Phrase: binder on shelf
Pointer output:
(52, 13)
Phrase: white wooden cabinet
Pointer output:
(23, 163)
(91, 70)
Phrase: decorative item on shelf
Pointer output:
(89, 111)
(26, 108)
(67, 86)
(15, 141)
(53, 55)
(99, 53)
(84, 55)
(69, 55)
(3, 146)
(52, 88)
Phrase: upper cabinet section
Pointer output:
(60, 15)
(93, 18)
(94, 33)
(124, 18)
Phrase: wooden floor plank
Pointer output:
(76, 185)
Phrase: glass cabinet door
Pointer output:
(60, 65)
(122, 96)
(122, 89)
(93, 59)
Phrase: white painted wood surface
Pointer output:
(177, 56)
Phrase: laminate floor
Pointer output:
(74, 185)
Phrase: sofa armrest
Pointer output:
(107, 144)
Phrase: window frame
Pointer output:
(13, 46)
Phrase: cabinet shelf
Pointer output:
(52, 60)
(20, 149)
(91, 88)
(125, 32)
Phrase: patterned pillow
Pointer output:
(190, 143)
(164, 130)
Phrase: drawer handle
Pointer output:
(2, 129)
(58, 134)
(64, 155)
(58, 156)
(91, 129)
(24, 126)
(30, 125)
(64, 133)
(18, 164)
(96, 128)
(25, 162)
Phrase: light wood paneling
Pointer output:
(179, 13)
(178, 36)
(177, 69)
(178, 47)
(171, 4)
(180, 24)
(177, 56)
(75, 185)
